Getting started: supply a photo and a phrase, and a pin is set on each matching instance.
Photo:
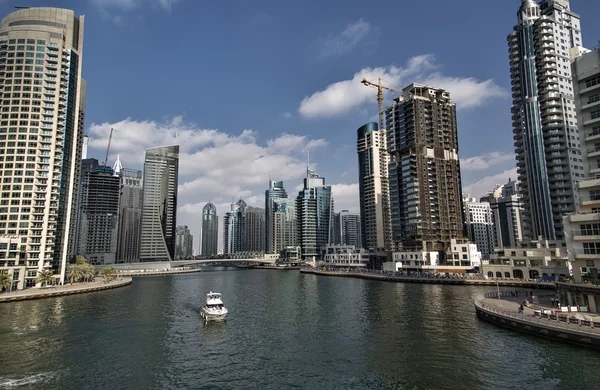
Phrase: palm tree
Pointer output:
(108, 273)
(88, 272)
(5, 281)
(74, 273)
(45, 277)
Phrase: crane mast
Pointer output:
(108, 148)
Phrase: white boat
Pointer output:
(214, 308)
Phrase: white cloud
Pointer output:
(344, 96)
(488, 183)
(286, 114)
(116, 10)
(346, 197)
(345, 41)
(485, 161)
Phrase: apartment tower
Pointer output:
(42, 120)
(479, 225)
(373, 160)
(347, 229)
(546, 137)
(314, 216)
(98, 224)
(130, 215)
(425, 183)
(159, 209)
(184, 243)
(210, 230)
(275, 191)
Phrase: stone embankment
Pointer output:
(57, 291)
(471, 281)
(542, 318)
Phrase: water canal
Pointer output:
(285, 330)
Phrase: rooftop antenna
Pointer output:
(307, 161)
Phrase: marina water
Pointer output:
(284, 329)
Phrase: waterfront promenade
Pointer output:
(539, 318)
(67, 289)
(432, 279)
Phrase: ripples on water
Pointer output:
(285, 330)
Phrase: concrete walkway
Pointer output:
(68, 289)
(156, 273)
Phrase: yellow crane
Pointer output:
(380, 87)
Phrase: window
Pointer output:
(595, 114)
(594, 98)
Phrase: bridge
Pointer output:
(162, 265)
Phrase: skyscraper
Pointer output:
(99, 214)
(314, 215)
(284, 230)
(347, 229)
(130, 216)
(184, 243)
(480, 226)
(40, 67)
(425, 184)
(373, 160)
(159, 210)
(210, 230)
(254, 229)
(545, 131)
(233, 228)
(275, 191)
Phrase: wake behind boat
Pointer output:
(214, 308)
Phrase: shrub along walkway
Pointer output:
(67, 289)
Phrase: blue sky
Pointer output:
(248, 87)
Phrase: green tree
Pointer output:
(45, 277)
(5, 281)
(80, 260)
(74, 273)
(108, 273)
(88, 272)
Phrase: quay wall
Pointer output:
(64, 290)
(410, 279)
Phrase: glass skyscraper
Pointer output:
(210, 229)
(41, 133)
(314, 215)
(275, 191)
(159, 210)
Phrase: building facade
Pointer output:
(98, 224)
(275, 191)
(425, 181)
(549, 159)
(41, 175)
(184, 243)
(582, 229)
(284, 229)
(314, 215)
(375, 214)
(233, 228)
(586, 83)
(347, 229)
(159, 209)
(345, 256)
(254, 229)
(210, 230)
(479, 225)
(130, 216)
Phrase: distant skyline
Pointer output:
(247, 88)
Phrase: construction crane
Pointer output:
(380, 87)
(108, 148)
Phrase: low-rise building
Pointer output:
(530, 260)
(290, 254)
(463, 257)
(346, 256)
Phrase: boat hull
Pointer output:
(209, 315)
